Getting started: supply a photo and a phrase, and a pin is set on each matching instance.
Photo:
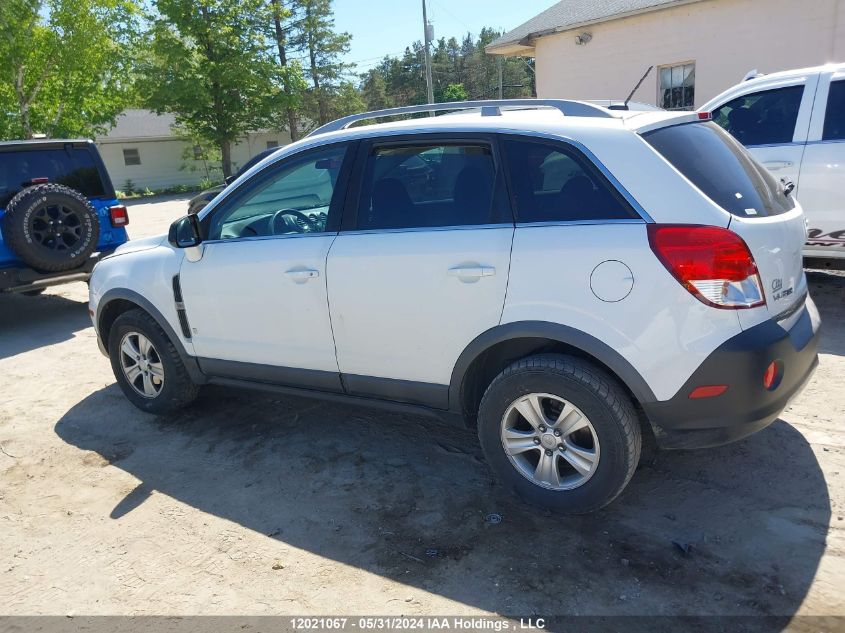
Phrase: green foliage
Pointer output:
(129, 187)
(65, 65)
(455, 92)
(460, 71)
(211, 64)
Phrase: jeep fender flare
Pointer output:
(572, 337)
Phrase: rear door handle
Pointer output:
(472, 272)
(775, 165)
(301, 275)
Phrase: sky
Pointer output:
(386, 27)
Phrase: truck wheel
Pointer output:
(51, 227)
(147, 365)
(560, 433)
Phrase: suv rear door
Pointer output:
(823, 169)
(420, 267)
(771, 118)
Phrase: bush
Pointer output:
(129, 187)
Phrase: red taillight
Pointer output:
(713, 263)
(42, 180)
(119, 216)
(708, 391)
(772, 375)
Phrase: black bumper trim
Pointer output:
(747, 406)
(24, 279)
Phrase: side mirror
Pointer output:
(185, 232)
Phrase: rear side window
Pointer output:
(762, 118)
(552, 183)
(418, 186)
(834, 118)
(722, 168)
(73, 167)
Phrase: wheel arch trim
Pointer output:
(145, 304)
(564, 334)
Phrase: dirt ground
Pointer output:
(256, 504)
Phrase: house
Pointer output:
(144, 148)
(599, 49)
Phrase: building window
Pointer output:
(198, 153)
(131, 157)
(676, 89)
(272, 144)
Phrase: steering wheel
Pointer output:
(281, 223)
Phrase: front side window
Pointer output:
(418, 186)
(834, 118)
(552, 183)
(292, 198)
(762, 118)
(677, 87)
(722, 168)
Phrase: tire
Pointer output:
(606, 450)
(171, 386)
(51, 227)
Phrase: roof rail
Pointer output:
(488, 108)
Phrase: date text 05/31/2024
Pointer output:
(411, 623)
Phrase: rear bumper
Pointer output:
(26, 279)
(747, 406)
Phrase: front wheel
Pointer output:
(560, 433)
(147, 365)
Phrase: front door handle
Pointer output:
(301, 275)
(775, 165)
(472, 272)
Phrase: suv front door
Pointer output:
(421, 266)
(256, 298)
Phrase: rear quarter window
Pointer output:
(73, 167)
(721, 168)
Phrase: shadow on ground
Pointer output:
(27, 323)
(410, 499)
(828, 291)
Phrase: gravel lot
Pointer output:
(257, 504)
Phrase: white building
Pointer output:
(144, 148)
(598, 49)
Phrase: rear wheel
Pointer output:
(147, 365)
(559, 432)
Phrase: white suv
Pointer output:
(561, 276)
(794, 123)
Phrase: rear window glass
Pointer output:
(73, 167)
(722, 168)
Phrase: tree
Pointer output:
(211, 65)
(455, 92)
(282, 17)
(65, 65)
(324, 48)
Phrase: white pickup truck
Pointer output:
(794, 123)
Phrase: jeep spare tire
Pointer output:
(51, 227)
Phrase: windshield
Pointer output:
(722, 168)
(73, 167)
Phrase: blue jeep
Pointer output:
(58, 213)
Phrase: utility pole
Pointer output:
(428, 32)
(501, 87)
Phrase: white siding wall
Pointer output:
(162, 162)
(725, 39)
